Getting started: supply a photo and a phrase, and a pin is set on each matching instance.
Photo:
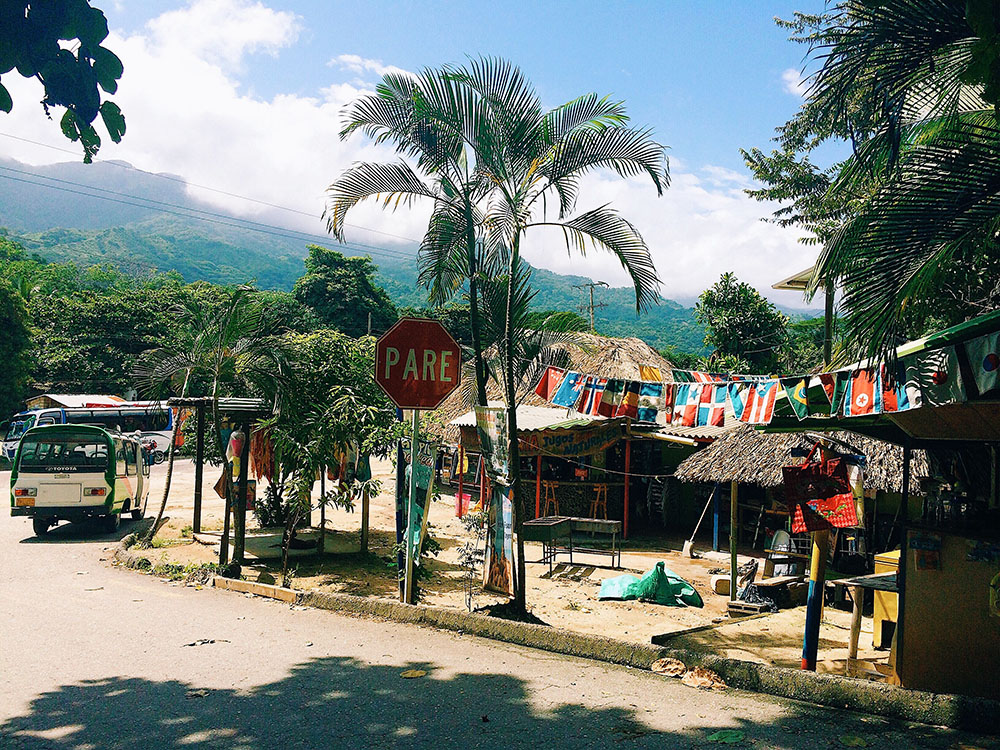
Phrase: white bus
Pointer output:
(73, 472)
(154, 420)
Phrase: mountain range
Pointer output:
(111, 213)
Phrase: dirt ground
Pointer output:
(566, 599)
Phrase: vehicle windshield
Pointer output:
(19, 425)
(63, 453)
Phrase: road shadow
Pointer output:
(89, 530)
(337, 702)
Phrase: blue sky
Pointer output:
(707, 76)
(246, 96)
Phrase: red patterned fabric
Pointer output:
(821, 493)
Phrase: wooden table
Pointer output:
(857, 585)
(549, 530)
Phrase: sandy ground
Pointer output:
(567, 599)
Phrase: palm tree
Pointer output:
(909, 81)
(529, 155)
(421, 116)
(225, 346)
(486, 122)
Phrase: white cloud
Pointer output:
(189, 113)
(696, 231)
(223, 31)
(362, 65)
(793, 82)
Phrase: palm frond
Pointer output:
(393, 183)
(605, 228)
(943, 199)
(627, 151)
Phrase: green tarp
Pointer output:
(660, 585)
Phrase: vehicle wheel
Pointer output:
(158, 457)
(112, 522)
(40, 526)
(138, 513)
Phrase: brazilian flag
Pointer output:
(797, 391)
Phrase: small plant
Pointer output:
(187, 532)
(573, 606)
(472, 554)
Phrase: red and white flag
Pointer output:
(759, 408)
(550, 381)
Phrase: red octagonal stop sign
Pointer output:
(418, 363)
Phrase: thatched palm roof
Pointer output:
(590, 354)
(748, 456)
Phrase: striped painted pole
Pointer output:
(814, 604)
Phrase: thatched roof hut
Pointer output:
(591, 354)
(749, 456)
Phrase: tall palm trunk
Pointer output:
(477, 338)
(514, 448)
(170, 468)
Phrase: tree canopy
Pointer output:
(59, 42)
(741, 325)
(343, 293)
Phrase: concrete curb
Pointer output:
(955, 711)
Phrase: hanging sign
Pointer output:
(571, 442)
(498, 571)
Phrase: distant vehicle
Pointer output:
(72, 472)
(153, 419)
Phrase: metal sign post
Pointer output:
(411, 514)
(417, 364)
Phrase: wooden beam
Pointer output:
(734, 493)
(199, 464)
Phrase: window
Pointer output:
(63, 454)
(130, 459)
(120, 468)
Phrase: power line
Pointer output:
(185, 182)
(268, 229)
(226, 217)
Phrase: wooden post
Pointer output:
(412, 502)
(199, 464)
(734, 492)
(538, 486)
(857, 594)
(900, 631)
(461, 480)
(716, 513)
(321, 543)
(814, 604)
(240, 514)
(628, 468)
(400, 510)
(365, 506)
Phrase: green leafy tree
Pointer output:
(907, 221)
(557, 320)
(223, 350)
(59, 42)
(328, 400)
(740, 322)
(343, 293)
(15, 350)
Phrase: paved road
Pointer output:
(96, 657)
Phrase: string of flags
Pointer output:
(699, 399)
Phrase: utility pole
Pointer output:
(592, 306)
